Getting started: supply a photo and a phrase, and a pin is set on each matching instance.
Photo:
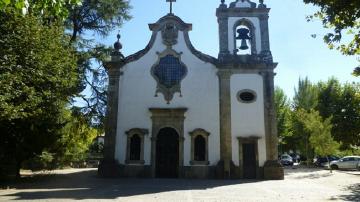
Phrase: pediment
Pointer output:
(243, 4)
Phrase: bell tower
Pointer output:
(243, 30)
(245, 55)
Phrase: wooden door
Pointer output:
(167, 154)
(249, 160)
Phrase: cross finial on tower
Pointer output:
(171, 1)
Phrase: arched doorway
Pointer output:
(167, 153)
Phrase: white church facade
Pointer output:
(176, 112)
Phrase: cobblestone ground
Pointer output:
(83, 184)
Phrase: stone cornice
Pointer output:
(241, 12)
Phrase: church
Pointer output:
(175, 112)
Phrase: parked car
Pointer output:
(323, 161)
(295, 157)
(286, 160)
(347, 162)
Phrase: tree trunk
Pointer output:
(329, 164)
(307, 151)
(18, 168)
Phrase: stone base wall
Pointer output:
(188, 172)
(273, 170)
(200, 172)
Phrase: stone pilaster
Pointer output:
(272, 168)
(225, 121)
(264, 29)
(108, 167)
(223, 31)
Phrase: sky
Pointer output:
(299, 54)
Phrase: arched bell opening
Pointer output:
(244, 38)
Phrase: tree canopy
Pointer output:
(343, 18)
(323, 105)
(38, 77)
(46, 62)
(53, 8)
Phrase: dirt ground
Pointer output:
(82, 184)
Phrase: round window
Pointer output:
(246, 96)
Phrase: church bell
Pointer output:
(243, 35)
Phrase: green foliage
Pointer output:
(306, 96)
(38, 75)
(76, 138)
(283, 115)
(334, 102)
(343, 17)
(41, 71)
(342, 102)
(97, 17)
(45, 8)
(320, 132)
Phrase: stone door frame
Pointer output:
(167, 118)
(249, 140)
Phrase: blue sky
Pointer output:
(298, 54)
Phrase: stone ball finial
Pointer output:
(117, 44)
(222, 1)
(261, 5)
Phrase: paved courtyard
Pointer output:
(83, 184)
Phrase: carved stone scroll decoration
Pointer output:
(168, 72)
(170, 34)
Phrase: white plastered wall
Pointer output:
(200, 94)
(255, 21)
(247, 118)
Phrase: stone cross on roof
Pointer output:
(171, 1)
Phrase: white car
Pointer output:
(347, 162)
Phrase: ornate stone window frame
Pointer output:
(130, 133)
(205, 135)
(160, 88)
(247, 23)
(246, 91)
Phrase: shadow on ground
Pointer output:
(354, 194)
(298, 172)
(86, 185)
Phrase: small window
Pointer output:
(246, 96)
(135, 148)
(200, 148)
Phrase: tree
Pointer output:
(94, 17)
(283, 115)
(320, 133)
(347, 118)
(306, 98)
(343, 104)
(343, 17)
(53, 8)
(76, 138)
(306, 95)
(38, 76)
